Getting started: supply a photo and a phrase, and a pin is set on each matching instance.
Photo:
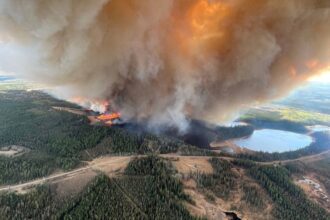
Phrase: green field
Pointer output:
(16, 84)
(288, 114)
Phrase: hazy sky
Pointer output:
(324, 77)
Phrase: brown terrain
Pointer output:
(314, 189)
(72, 182)
(115, 164)
(70, 110)
(111, 166)
(216, 209)
(186, 165)
(202, 207)
(228, 146)
(304, 159)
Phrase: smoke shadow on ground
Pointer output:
(199, 133)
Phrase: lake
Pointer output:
(269, 140)
(6, 78)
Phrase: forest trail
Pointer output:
(99, 164)
(112, 165)
(305, 159)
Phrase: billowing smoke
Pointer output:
(166, 60)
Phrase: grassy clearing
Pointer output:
(305, 117)
(17, 85)
(288, 114)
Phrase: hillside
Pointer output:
(55, 165)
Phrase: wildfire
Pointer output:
(92, 104)
(113, 118)
(109, 116)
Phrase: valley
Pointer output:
(77, 159)
(164, 110)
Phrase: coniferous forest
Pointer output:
(150, 187)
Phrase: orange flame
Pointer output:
(109, 117)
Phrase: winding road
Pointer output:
(114, 164)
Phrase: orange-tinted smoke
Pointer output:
(166, 61)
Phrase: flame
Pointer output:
(109, 116)
(102, 106)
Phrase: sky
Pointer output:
(322, 78)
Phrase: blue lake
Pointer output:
(5, 78)
(269, 140)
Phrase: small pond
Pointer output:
(270, 140)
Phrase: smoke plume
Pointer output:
(167, 60)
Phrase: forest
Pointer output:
(58, 139)
(290, 201)
(147, 190)
(61, 140)
(281, 124)
(201, 133)
(221, 182)
(54, 138)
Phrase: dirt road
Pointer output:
(104, 164)
(310, 158)
(111, 165)
(305, 159)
